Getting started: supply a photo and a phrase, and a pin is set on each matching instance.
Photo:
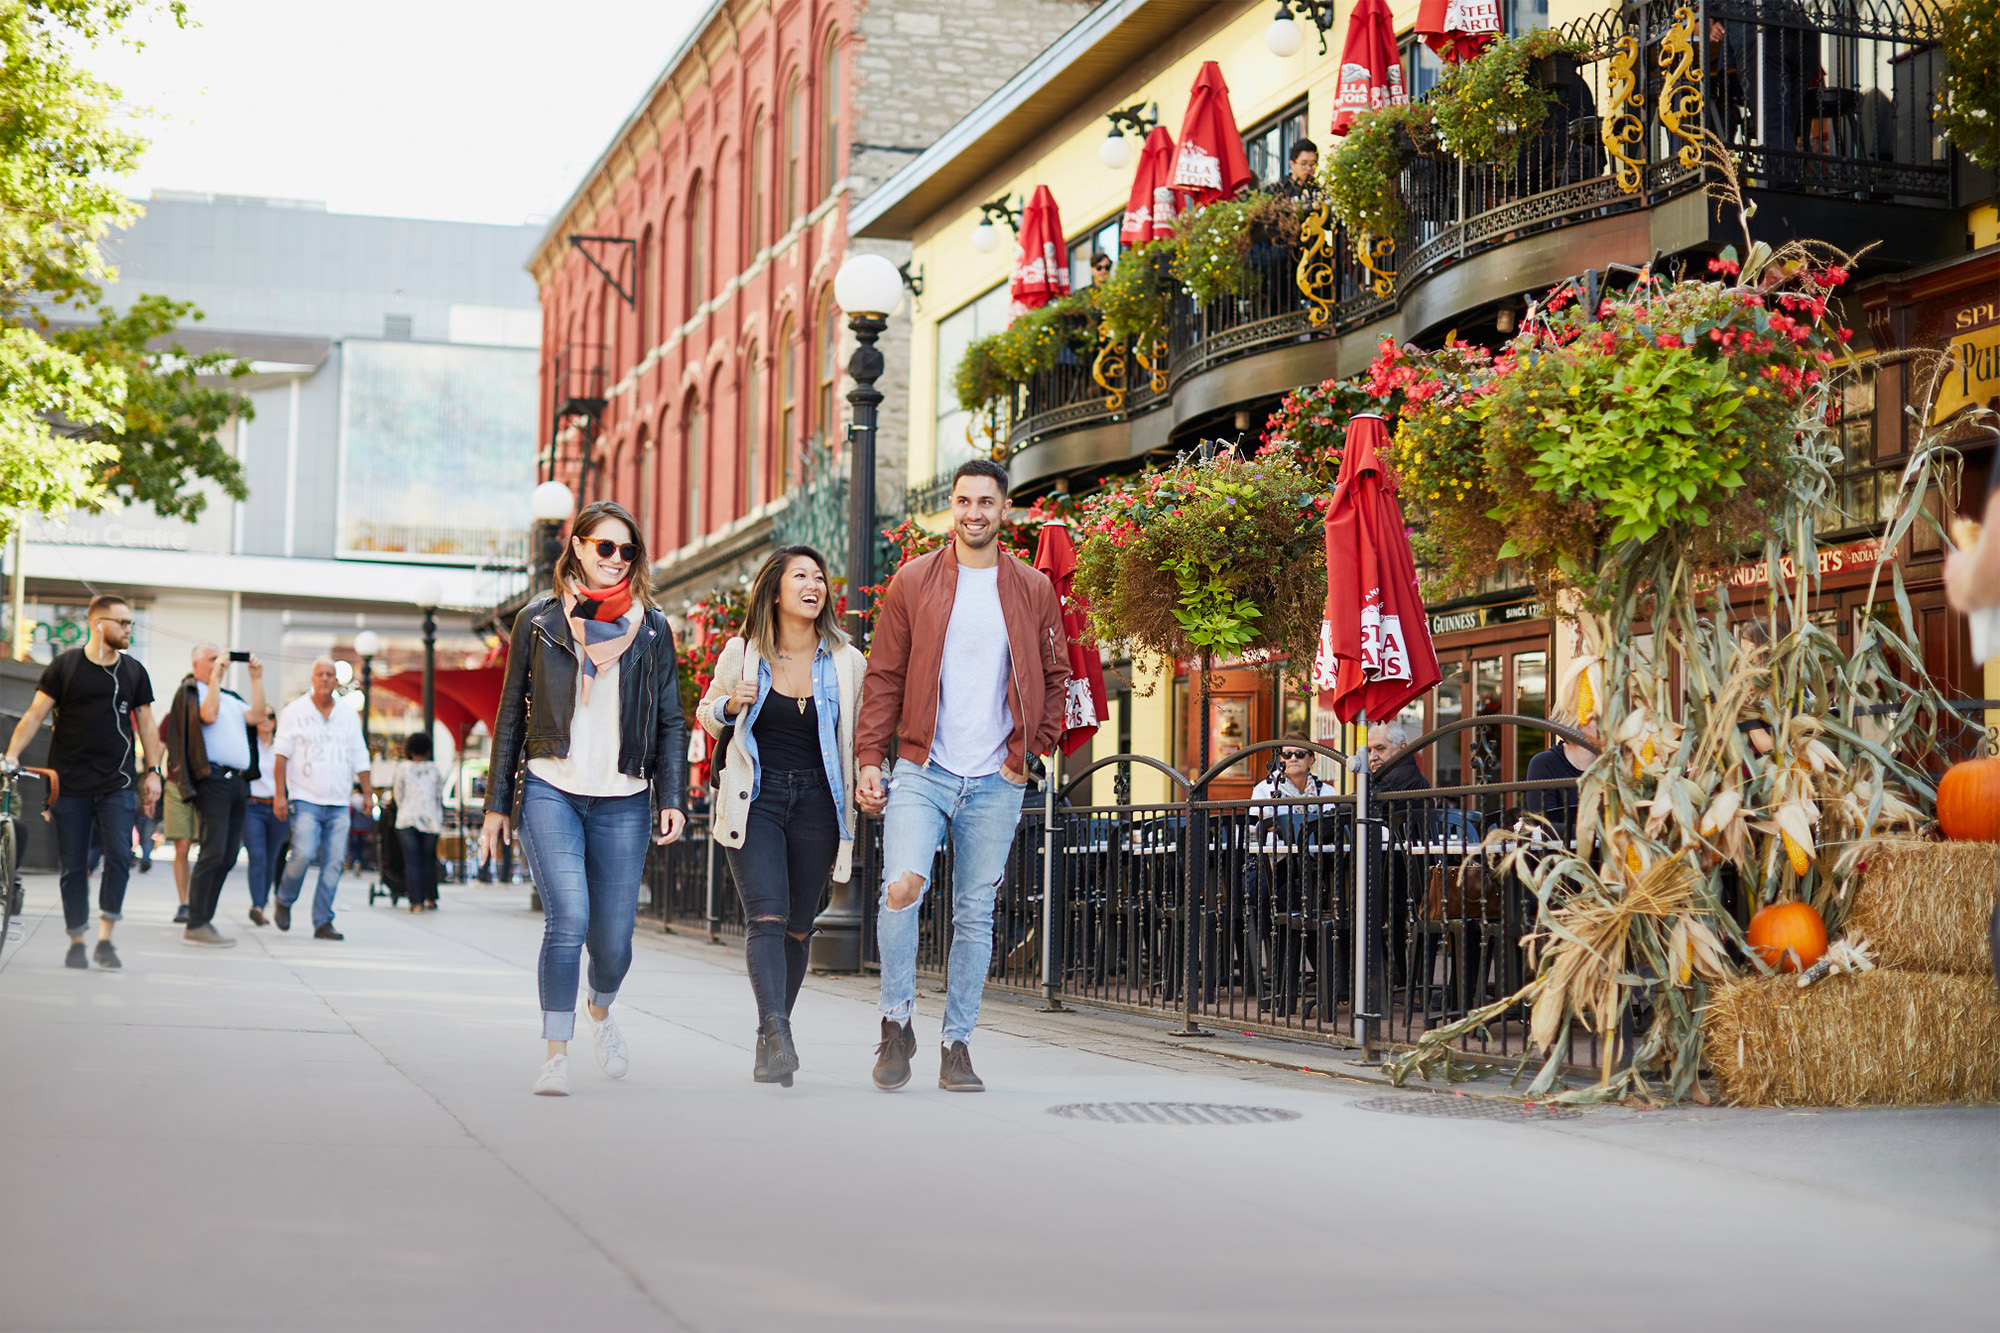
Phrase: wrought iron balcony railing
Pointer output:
(1821, 98)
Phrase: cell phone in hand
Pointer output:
(240, 655)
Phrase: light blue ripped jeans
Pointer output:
(981, 815)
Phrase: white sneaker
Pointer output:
(554, 1081)
(609, 1043)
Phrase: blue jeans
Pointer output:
(319, 833)
(102, 823)
(588, 857)
(265, 835)
(981, 814)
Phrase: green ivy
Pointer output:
(1488, 106)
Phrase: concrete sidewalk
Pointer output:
(300, 1134)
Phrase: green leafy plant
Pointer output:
(1968, 98)
(1223, 555)
(1136, 296)
(993, 366)
(1488, 106)
(1212, 255)
(1362, 178)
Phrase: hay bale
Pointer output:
(1924, 906)
(1863, 1039)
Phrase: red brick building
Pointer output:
(702, 343)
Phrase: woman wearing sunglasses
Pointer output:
(590, 756)
(785, 696)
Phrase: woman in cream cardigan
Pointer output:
(785, 696)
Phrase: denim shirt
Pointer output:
(826, 703)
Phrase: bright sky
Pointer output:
(472, 110)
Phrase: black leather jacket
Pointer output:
(539, 698)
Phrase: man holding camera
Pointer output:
(212, 752)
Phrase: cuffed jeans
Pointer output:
(103, 821)
(420, 864)
(319, 833)
(789, 842)
(264, 836)
(981, 815)
(588, 857)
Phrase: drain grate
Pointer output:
(1465, 1108)
(1172, 1113)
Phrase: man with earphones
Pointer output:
(103, 705)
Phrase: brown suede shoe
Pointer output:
(955, 1070)
(892, 1055)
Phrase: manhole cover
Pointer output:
(1172, 1113)
(1465, 1108)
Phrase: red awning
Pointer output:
(465, 696)
(1041, 257)
(1084, 706)
(1375, 652)
(1371, 70)
(1210, 163)
(1150, 212)
(1458, 29)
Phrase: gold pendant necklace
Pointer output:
(802, 706)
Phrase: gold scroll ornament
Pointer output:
(1318, 278)
(1109, 369)
(1374, 253)
(1680, 91)
(1623, 130)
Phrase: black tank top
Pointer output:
(787, 732)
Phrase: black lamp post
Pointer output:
(869, 288)
(366, 644)
(429, 594)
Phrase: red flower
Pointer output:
(1668, 340)
(1845, 333)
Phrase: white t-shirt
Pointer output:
(591, 766)
(265, 784)
(323, 755)
(419, 793)
(973, 719)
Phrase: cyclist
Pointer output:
(103, 703)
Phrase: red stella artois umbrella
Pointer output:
(1458, 29)
(1149, 213)
(1041, 257)
(1375, 652)
(1083, 710)
(1371, 70)
(1210, 163)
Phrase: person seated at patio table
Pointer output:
(1278, 829)
(1403, 775)
(1564, 760)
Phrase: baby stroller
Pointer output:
(388, 860)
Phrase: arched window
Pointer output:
(790, 189)
(607, 345)
(664, 269)
(757, 201)
(697, 246)
(750, 468)
(786, 446)
(720, 181)
(694, 444)
(826, 365)
(643, 483)
(829, 117)
(642, 296)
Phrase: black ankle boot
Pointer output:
(776, 1059)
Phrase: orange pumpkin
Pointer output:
(1788, 926)
(1968, 801)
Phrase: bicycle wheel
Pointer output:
(9, 894)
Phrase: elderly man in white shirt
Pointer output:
(320, 753)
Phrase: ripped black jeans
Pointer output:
(782, 872)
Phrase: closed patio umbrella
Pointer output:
(1458, 29)
(1210, 163)
(1375, 643)
(1041, 257)
(1371, 70)
(1150, 212)
(1083, 709)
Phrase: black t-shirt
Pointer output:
(1557, 805)
(787, 732)
(91, 750)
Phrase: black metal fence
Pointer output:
(1234, 912)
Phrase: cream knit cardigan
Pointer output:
(731, 799)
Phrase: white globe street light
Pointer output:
(986, 238)
(367, 643)
(868, 285)
(552, 502)
(1115, 152)
(1283, 38)
(429, 594)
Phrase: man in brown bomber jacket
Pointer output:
(967, 671)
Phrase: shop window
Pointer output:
(1863, 495)
(1447, 756)
(1099, 240)
(1531, 699)
(1523, 16)
(1488, 700)
(1269, 141)
(1421, 68)
(956, 438)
